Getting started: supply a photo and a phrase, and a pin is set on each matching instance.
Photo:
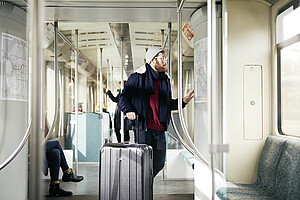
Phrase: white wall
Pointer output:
(248, 43)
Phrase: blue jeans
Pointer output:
(157, 140)
(55, 159)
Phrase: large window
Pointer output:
(288, 48)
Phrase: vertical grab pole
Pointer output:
(171, 79)
(122, 86)
(212, 83)
(180, 112)
(112, 89)
(62, 99)
(209, 84)
(101, 95)
(55, 85)
(169, 49)
(101, 83)
(112, 86)
(107, 86)
(76, 102)
(36, 149)
(56, 77)
(162, 37)
(224, 75)
(179, 59)
(99, 89)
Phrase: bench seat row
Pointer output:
(278, 175)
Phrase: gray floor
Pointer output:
(166, 189)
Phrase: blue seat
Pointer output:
(265, 186)
(288, 172)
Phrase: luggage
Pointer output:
(126, 172)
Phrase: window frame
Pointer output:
(280, 46)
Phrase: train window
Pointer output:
(288, 51)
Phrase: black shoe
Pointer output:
(55, 190)
(71, 177)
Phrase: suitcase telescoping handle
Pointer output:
(137, 128)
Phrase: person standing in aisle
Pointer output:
(117, 117)
(147, 94)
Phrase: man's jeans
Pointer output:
(157, 140)
(55, 158)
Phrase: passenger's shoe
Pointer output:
(55, 190)
(71, 177)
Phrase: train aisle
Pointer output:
(88, 188)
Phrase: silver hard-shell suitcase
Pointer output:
(126, 172)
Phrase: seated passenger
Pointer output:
(55, 159)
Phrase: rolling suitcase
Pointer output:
(126, 172)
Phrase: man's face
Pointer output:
(160, 62)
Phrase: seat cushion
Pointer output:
(242, 191)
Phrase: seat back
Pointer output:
(268, 163)
(288, 172)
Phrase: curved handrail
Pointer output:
(170, 70)
(180, 138)
(181, 119)
(18, 149)
(56, 85)
(172, 136)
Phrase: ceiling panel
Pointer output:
(100, 26)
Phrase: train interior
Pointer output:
(60, 58)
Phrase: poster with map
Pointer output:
(14, 68)
(200, 67)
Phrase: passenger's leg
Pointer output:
(118, 134)
(53, 158)
(54, 144)
(159, 157)
(158, 144)
(126, 136)
(68, 172)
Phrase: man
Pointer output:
(147, 94)
(55, 159)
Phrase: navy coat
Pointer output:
(135, 96)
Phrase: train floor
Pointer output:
(88, 189)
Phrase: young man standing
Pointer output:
(147, 94)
